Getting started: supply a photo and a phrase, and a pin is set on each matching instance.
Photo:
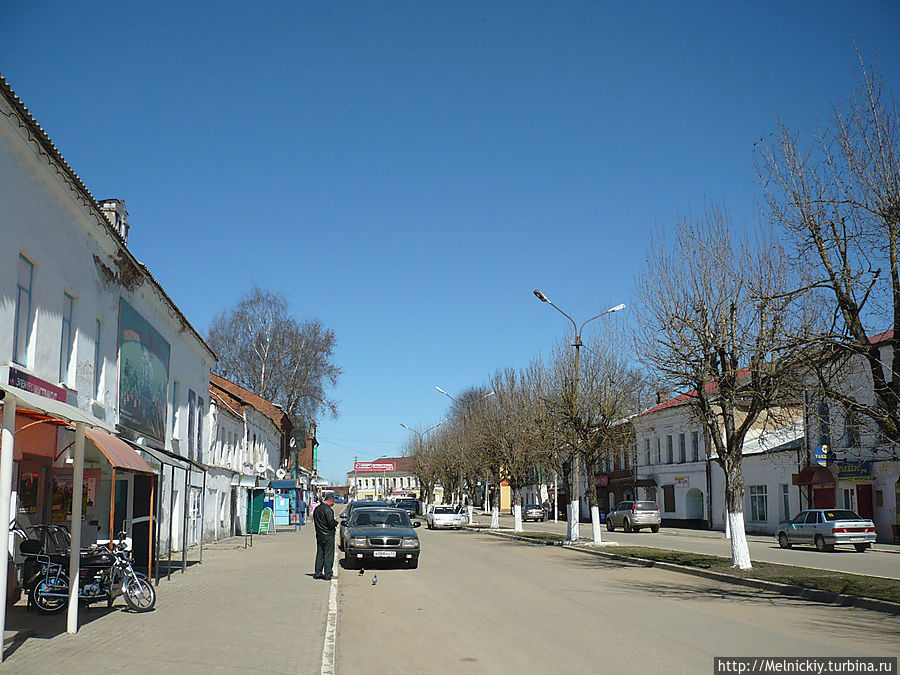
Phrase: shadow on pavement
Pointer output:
(25, 624)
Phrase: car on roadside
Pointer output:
(533, 512)
(347, 512)
(444, 516)
(633, 516)
(381, 534)
(411, 506)
(826, 528)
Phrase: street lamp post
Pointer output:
(575, 497)
(471, 508)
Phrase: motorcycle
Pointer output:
(104, 574)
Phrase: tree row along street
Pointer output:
(883, 560)
(482, 605)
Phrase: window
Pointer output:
(824, 423)
(192, 404)
(98, 363)
(669, 453)
(849, 495)
(200, 417)
(682, 449)
(758, 503)
(658, 450)
(785, 501)
(851, 430)
(695, 446)
(669, 498)
(647, 449)
(66, 338)
(22, 334)
(175, 409)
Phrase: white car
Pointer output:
(442, 516)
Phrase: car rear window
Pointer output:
(445, 509)
(646, 506)
(404, 503)
(839, 514)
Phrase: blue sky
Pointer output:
(409, 172)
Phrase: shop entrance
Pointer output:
(864, 501)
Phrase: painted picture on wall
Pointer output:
(143, 375)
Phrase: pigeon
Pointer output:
(361, 572)
(375, 580)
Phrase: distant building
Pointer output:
(386, 477)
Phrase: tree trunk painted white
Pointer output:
(727, 526)
(595, 524)
(740, 550)
(495, 517)
(517, 518)
(471, 514)
(574, 515)
(487, 501)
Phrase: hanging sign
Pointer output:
(820, 455)
(265, 521)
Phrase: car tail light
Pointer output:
(634, 508)
(840, 530)
(869, 529)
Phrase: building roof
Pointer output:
(235, 391)
(47, 147)
(226, 400)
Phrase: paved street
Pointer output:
(482, 605)
(882, 560)
(253, 610)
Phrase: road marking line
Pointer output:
(328, 648)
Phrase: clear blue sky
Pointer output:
(409, 172)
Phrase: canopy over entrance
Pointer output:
(815, 475)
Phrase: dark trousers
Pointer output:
(324, 556)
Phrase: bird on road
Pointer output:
(375, 580)
(361, 572)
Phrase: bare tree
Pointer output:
(838, 197)
(608, 392)
(266, 350)
(713, 322)
(425, 466)
(508, 435)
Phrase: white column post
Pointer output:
(7, 439)
(75, 553)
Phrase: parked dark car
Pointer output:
(411, 506)
(347, 512)
(827, 527)
(383, 535)
(532, 512)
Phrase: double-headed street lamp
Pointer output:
(575, 498)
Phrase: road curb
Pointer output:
(811, 594)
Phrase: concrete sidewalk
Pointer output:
(243, 610)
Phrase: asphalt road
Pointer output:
(881, 560)
(479, 604)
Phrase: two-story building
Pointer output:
(89, 336)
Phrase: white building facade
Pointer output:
(86, 324)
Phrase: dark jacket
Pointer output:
(324, 520)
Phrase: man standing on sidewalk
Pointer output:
(326, 524)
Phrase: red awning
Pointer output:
(118, 452)
(815, 475)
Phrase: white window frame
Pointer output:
(66, 338)
(22, 333)
(98, 363)
(758, 497)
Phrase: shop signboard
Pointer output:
(35, 385)
(265, 521)
(143, 375)
(854, 471)
(682, 481)
(374, 466)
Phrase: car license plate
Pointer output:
(385, 554)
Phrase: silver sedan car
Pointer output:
(826, 528)
(442, 516)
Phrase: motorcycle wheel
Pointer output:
(46, 604)
(139, 594)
